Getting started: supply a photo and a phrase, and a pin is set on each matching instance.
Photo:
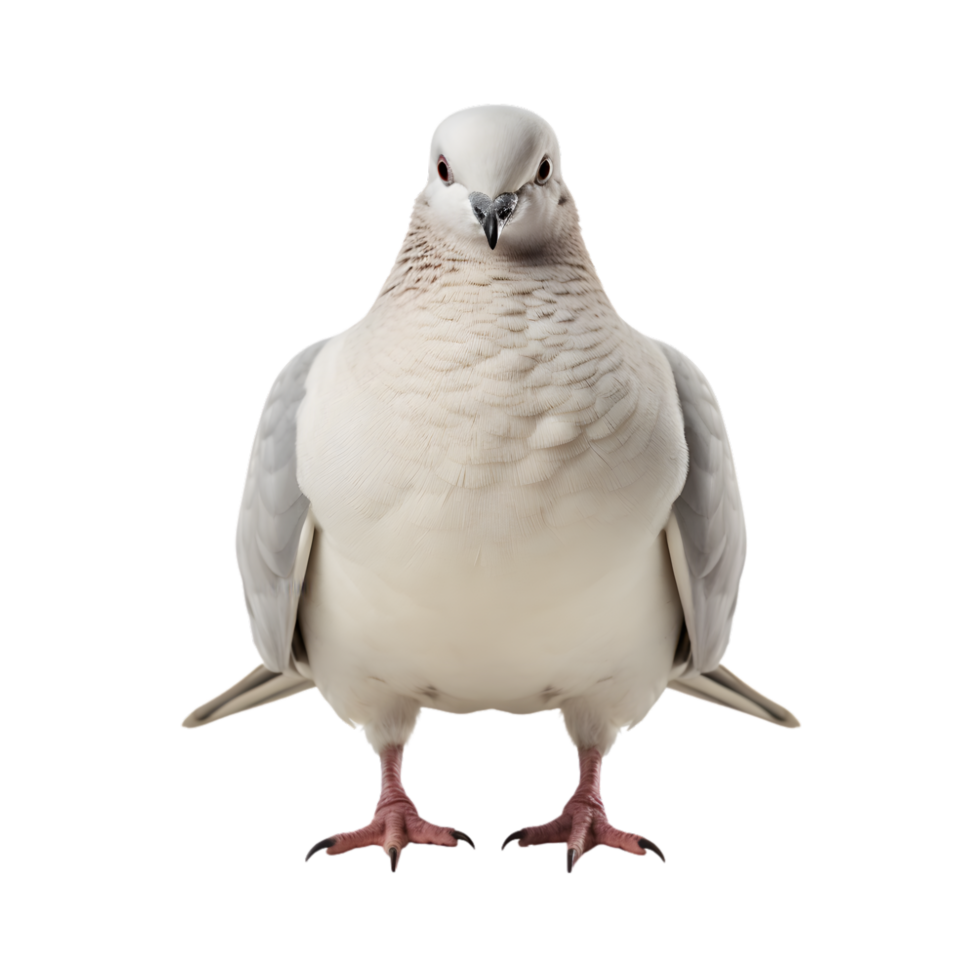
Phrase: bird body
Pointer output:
(492, 492)
(490, 504)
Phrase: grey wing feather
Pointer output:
(709, 518)
(261, 686)
(274, 524)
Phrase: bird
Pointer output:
(491, 493)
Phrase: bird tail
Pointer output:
(722, 687)
(260, 687)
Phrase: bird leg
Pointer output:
(583, 824)
(396, 822)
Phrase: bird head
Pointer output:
(495, 175)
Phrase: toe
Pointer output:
(373, 833)
(611, 837)
(555, 832)
(322, 846)
(422, 832)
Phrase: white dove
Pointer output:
(491, 493)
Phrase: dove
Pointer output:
(491, 493)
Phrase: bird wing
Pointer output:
(706, 540)
(706, 531)
(275, 525)
(261, 686)
(273, 536)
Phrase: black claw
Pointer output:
(517, 835)
(459, 835)
(650, 846)
(393, 853)
(322, 846)
(572, 855)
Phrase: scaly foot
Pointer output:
(396, 822)
(583, 824)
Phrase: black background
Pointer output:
(279, 218)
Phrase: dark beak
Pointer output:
(493, 215)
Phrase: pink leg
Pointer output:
(583, 824)
(396, 822)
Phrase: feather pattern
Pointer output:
(709, 518)
(274, 534)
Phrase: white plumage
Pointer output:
(480, 495)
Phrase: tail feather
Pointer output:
(255, 689)
(721, 686)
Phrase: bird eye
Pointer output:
(544, 171)
(445, 171)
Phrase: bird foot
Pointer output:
(395, 824)
(583, 823)
(582, 826)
